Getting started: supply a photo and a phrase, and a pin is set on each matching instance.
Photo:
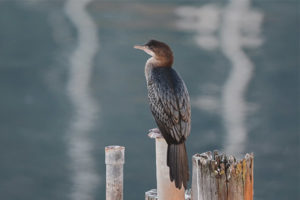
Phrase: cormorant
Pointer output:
(170, 106)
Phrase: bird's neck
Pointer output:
(148, 67)
(160, 61)
(154, 62)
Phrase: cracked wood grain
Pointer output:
(221, 177)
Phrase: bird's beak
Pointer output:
(144, 48)
(140, 47)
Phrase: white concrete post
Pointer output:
(114, 160)
(166, 189)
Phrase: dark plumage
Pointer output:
(170, 105)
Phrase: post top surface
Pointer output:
(154, 135)
(114, 148)
(215, 158)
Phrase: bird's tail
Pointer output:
(178, 163)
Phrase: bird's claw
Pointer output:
(154, 130)
(154, 133)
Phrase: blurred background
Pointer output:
(71, 84)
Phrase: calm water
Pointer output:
(71, 83)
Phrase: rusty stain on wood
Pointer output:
(221, 177)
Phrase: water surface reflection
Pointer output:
(229, 28)
(85, 179)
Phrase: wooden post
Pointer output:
(114, 160)
(221, 177)
(166, 189)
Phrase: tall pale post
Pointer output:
(114, 160)
(166, 190)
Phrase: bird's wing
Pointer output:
(184, 108)
(170, 104)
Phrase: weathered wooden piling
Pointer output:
(166, 189)
(114, 160)
(221, 177)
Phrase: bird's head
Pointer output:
(161, 53)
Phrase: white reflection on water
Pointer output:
(204, 21)
(85, 178)
(238, 26)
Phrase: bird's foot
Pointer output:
(154, 130)
(154, 133)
